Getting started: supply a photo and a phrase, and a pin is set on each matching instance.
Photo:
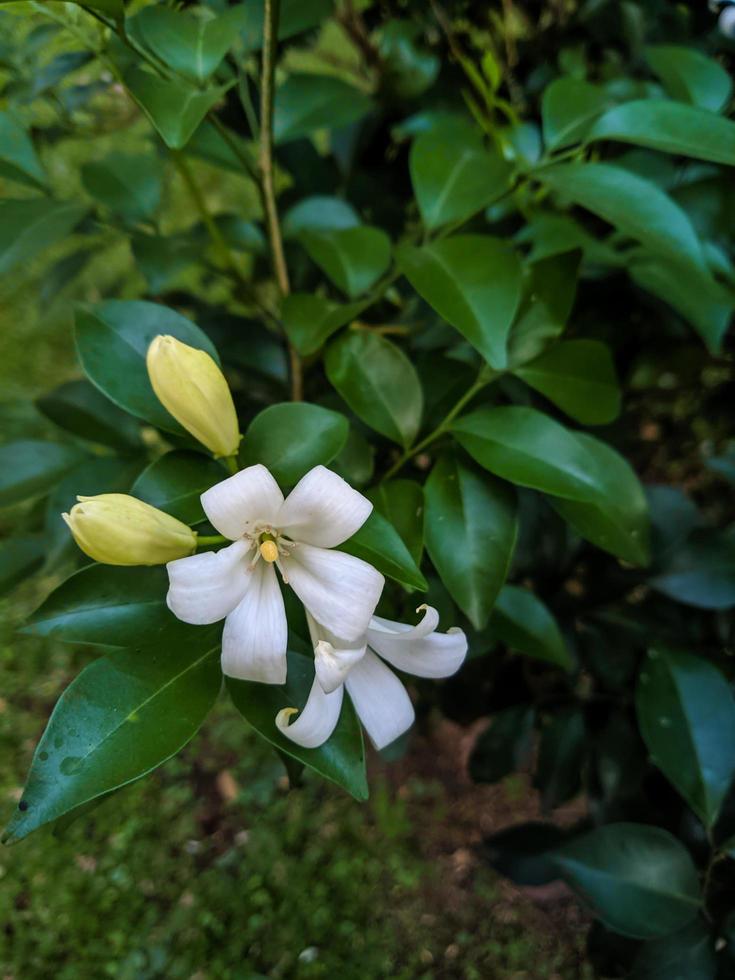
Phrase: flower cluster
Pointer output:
(298, 535)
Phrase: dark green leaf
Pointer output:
(125, 714)
(78, 407)
(639, 880)
(550, 294)
(174, 108)
(561, 756)
(504, 747)
(568, 108)
(112, 340)
(686, 714)
(690, 76)
(293, 437)
(30, 468)
(295, 16)
(175, 482)
(523, 853)
(341, 758)
(525, 624)
(18, 160)
(353, 258)
(701, 571)
(191, 46)
(473, 282)
(355, 462)
(128, 184)
(687, 954)
(402, 503)
(311, 320)
(19, 558)
(378, 382)
(471, 528)
(162, 259)
(29, 226)
(305, 103)
(319, 213)
(378, 543)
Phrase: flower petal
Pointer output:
(323, 509)
(318, 719)
(241, 501)
(255, 634)
(205, 588)
(340, 591)
(419, 650)
(381, 701)
(333, 658)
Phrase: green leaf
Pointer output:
(341, 759)
(305, 103)
(671, 127)
(175, 482)
(311, 320)
(378, 382)
(454, 179)
(112, 8)
(569, 106)
(471, 527)
(292, 437)
(686, 714)
(109, 606)
(355, 462)
(319, 213)
(209, 144)
(638, 879)
(29, 226)
(561, 757)
(295, 17)
(19, 558)
(551, 289)
(18, 160)
(688, 954)
(504, 747)
(78, 407)
(123, 716)
(522, 621)
(378, 543)
(191, 46)
(174, 108)
(128, 184)
(402, 503)
(112, 341)
(690, 76)
(701, 571)
(636, 206)
(578, 376)
(353, 258)
(30, 468)
(162, 259)
(474, 283)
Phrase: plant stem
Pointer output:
(265, 167)
(182, 165)
(206, 539)
(231, 464)
(484, 378)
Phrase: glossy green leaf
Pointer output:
(638, 879)
(128, 184)
(687, 954)
(700, 571)
(29, 226)
(355, 461)
(191, 46)
(20, 557)
(578, 376)
(81, 409)
(209, 144)
(174, 108)
(409, 69)
(341, 759)
(30, 468)
(112, 341)
(474, 283)
(471, 528)
(522, 621)
(672, 127)
(378, 543)
(378, 382)
(454, 179)
(690, 76)
(551, 288)
(18, 159)
(292, 437)
(111, 8)
(295, 16)
(305, 103)
(175, 482)
(686, 714)
(569, 106)
(353, 258)
(319, 213)
(402, 503)
(311, 320)
(505, 746)
(632, 204)
(125, 714)
(109, 606)
(561, 757)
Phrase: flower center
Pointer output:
(271, 546)
(268, 549)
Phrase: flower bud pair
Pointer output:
(117, 529)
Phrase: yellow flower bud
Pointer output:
(189, 384)
(117, 529)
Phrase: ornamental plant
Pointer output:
(423, 309)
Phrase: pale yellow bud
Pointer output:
(117, 529)
(189, 384)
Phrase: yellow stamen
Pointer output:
(284, 716)
(269, 551)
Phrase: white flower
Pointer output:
(380, 699)
(239, 582)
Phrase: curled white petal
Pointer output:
(339, 590)
(239, 503)
(205, 588)
(323, 509)
(419, 649)
(255, 635)
(381, 701)
(316, 722)
(333, 657)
